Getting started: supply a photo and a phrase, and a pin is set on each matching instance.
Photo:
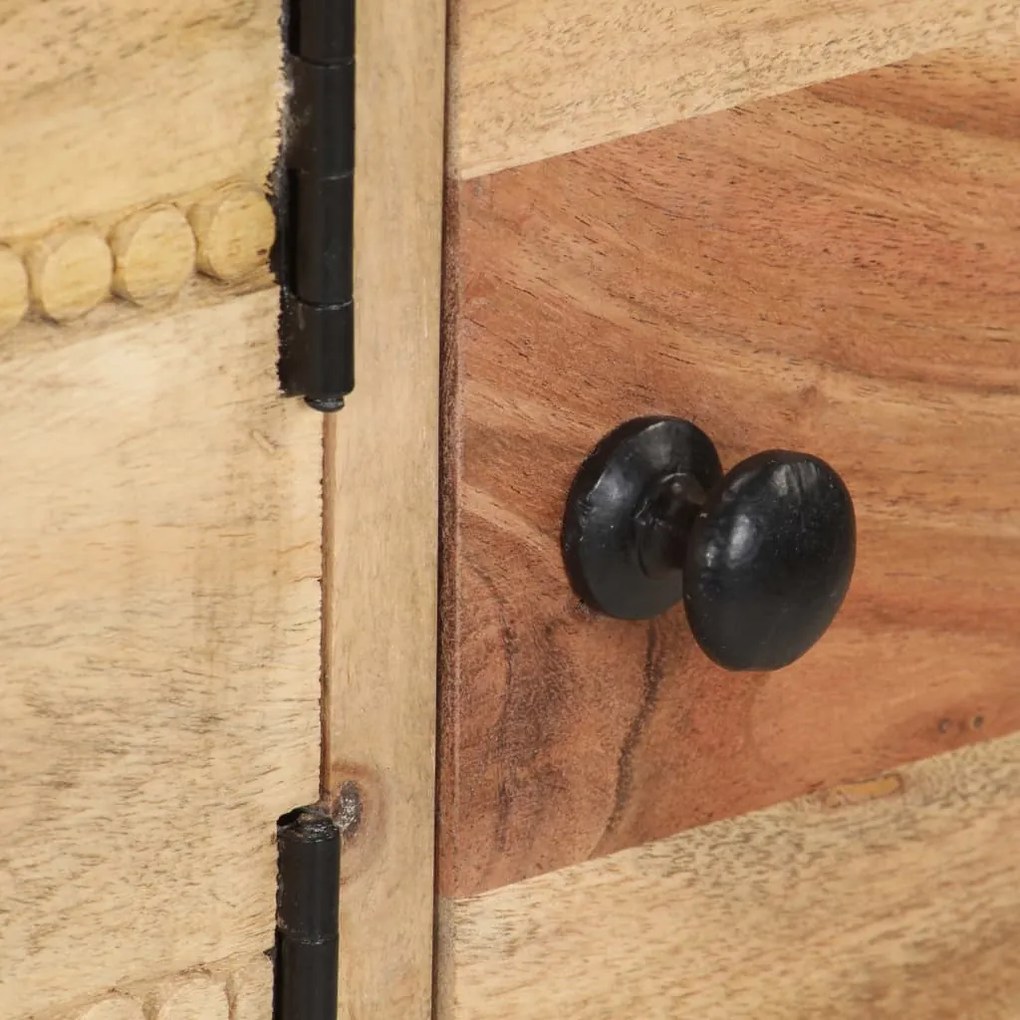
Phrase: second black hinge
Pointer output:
(316, 204)
(306, 967)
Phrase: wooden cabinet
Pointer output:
(163, 567)
(795, 224)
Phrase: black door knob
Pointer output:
(762, 557)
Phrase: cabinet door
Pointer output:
(160, 522)
(218, 604)
(627, 830)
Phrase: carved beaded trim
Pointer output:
(237, 989)
(145, 259)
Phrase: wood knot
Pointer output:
(359, 810)
(961, 726)
(347, 809)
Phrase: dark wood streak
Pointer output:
(509, 645)
(653, 675)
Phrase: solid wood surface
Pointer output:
(160, 559)
(14, 293)
(106, 107)
(535, 78)
(234, 230)
(235, 988)
(70, 272)
(196, 997)
(147, 257)
(154, 255)
(160, 524)
(381, 528)
(899, 902)
(832, 271)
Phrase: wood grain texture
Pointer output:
(159, 559)
(195, 997)
(14, 294)
(250, 990)
(114, 1007)
(381, 509)
(70, 272)
(154, 255)
(903, 905)
(536, 78)
(239, 986)
(147, 257)
(235, 227)
(832, 271)
(108, 107)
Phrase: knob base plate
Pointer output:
(617, 556)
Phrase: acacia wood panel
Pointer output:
(380, 516)
(895, 899)
(531, 79)
(160, 554)
(833, 270)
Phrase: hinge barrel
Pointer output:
(307, 917)
(317, 205)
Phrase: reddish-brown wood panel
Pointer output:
(835, 271)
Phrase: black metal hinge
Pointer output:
(306, 967)
(315, 204)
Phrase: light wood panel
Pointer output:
(147, 257)
(153, 254)
(832, 271)
(899, 899)
(237, 988)
(234, 230)
(14, 290)
(104, 107)
(380, 515)
(71, 272)
(159, 562)
(535, 78)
